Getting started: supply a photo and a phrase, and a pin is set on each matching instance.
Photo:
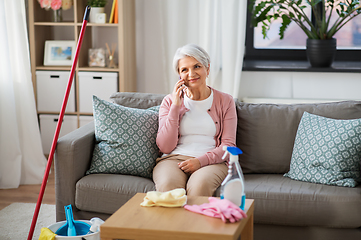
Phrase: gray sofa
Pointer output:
(284, 208)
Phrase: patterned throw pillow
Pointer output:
(327, 151)
(125, 139)
(155, 108)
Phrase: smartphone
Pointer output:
(183, 85)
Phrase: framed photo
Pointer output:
(59, 53)
(97, 57)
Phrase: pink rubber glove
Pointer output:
(230, 211)
(205, 209)
(223, 209)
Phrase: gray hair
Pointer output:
(191, 50)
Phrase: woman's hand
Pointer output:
(178, 92)
(190, 166)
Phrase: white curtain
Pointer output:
(216, 25)
(21, 155)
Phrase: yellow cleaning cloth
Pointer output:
(173, 198)
(46, 234)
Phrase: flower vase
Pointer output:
(57, 15)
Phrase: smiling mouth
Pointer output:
(193, 79)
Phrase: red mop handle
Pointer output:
(58, 126)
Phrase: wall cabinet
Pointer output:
(121, 34)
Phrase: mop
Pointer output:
(58, 126)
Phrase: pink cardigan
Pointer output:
(223, 113)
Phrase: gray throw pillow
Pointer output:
(125, 139)
(327, 151)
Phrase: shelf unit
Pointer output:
(41, 28)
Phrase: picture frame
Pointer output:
(59, 53)
(97, 57)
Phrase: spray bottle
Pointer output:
(232, 187)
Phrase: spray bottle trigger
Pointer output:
(225, 152)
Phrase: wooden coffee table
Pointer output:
(133, 221)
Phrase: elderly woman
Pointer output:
(195, 122)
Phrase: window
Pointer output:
(293, 46)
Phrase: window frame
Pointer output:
(252, 53)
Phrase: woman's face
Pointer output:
(193, 72)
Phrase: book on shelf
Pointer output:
(111, 18)
(116, 12)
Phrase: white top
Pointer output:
(196, 128)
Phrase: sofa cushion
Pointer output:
(266, 132)
(137, 100)
(282, 201)
(327, 151)
(106, 193)
(125, 139)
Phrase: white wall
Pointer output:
(304, 85)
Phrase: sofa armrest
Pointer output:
(72, 159)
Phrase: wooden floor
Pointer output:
(29, 193)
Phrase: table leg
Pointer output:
(247, 233)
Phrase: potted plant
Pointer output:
(97, 6)
(320, 45)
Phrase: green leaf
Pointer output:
(266, 11)
(263, 15)
(259, 7)
(97, 3)
(269, 19)
(315, 2)
(264, 31)
(286, 21)
(257, 12)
